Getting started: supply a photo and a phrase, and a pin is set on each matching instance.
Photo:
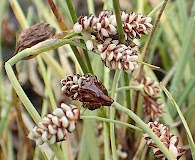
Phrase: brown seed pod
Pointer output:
(33, 35)
(86, 89)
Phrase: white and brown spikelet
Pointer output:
(86, 89)
(168, 139)
(152, 105)
(103, 38)
(55, 126)
(104, 25)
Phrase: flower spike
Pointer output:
(168, 139)
(86, 89)
(55, 126)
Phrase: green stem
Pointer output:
(86, 54)
(189, 135)
(47, 82)
(91, 8)
(145, 127)
(127, 92)
(105, 126)
(72, 11)
(106, 142)
(16, 8)
(112, 115)
(112, 121)
(136, 88)
(79, 59)
(29, 107)
(116, 6)
(156, 9)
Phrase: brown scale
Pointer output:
(32, 36)
(91, 92)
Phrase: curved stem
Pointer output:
(20, 92)
(137, 88)
(145, 128)
(112, 121)
(189, 135)
(112, 115)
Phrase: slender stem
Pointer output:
(116, 6)
(106, 142)
(112, 121)
(105, 126)
(80, 60)
(19, 13)
(145, 127)
(86, 54)
(91, 8)
(156, 9)
(44, 46)
(29, 107)
(137, 88)
(72, 11)
(57, 15)
(189, 135)
(112, 115)
(58, 152)
(127, 92)
(148, 43)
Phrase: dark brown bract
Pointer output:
(86, 89)
(33, 35)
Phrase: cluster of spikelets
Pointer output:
(152, 105)
(102, 35)
(55, 126)
(168, 139)
(87, 89)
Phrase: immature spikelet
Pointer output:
(168, 139)
(86, 89)
(151, 105)
(151, 87)
(118, 56)
(55, 126)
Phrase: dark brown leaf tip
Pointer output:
(33, 35)
(86, 89)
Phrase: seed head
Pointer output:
(168, 139)
(151, 87)
(55, 126)
(86, 89)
